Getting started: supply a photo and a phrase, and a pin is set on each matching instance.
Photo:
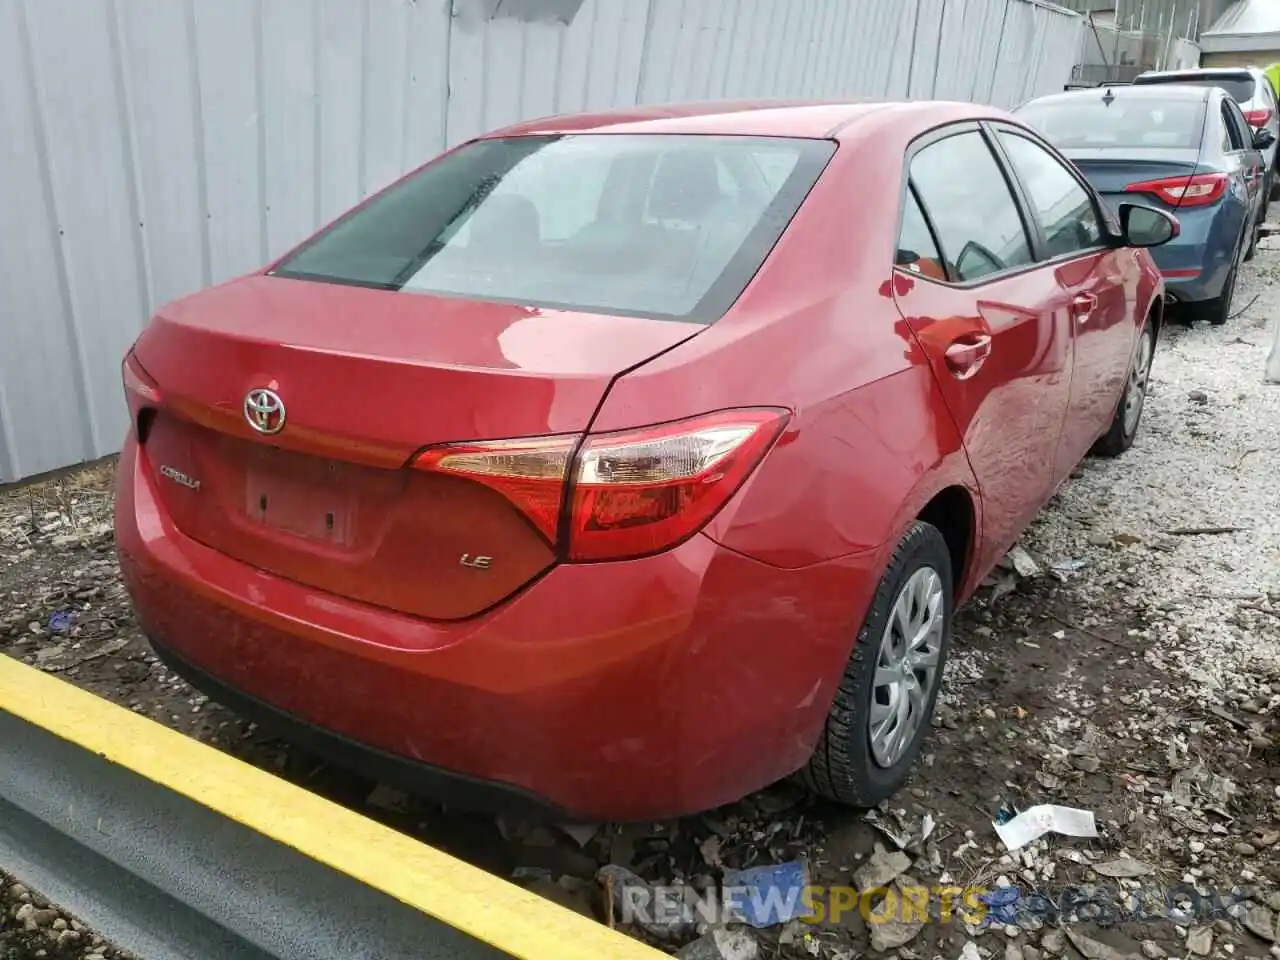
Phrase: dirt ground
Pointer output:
(1133, 673)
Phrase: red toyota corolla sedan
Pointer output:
(630, 462)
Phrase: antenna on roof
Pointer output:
(1108, 98)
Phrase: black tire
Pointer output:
(1217, 311)
(1255, 234)
(1124, 429)
(843, 767)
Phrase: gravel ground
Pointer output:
(1136, 675)
(31, 927)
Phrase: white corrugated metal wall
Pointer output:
(152, 147)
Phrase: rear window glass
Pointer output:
(666, 226)
(1132, 122)
(1240, 88)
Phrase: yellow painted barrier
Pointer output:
(454, 892)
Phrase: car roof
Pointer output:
(1208, 72)
(810, 119)
(1162, 91)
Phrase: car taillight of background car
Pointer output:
(1258, 118)
(1197, 191)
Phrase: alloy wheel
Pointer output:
(1135, 394)
(906, 668)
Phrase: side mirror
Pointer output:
(1142, 226)
(1263, 139)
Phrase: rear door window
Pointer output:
(966, 197)
(917, 249)
(1237, 129)
(1063, 208)
(664, 226)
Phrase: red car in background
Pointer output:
(630, 462)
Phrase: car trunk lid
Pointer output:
(366, 379)
(1112, 172)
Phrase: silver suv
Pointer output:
(1250, 88)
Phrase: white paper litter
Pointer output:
(1035, 822)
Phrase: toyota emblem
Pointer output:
(264, 410)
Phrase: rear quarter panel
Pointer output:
(817, 331)
(1206, 241)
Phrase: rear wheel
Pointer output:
(1255, 233)
(1124, 426)
(1218, 310)
(884, 704)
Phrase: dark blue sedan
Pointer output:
(1184, 149)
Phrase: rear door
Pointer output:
(1243, 160)
(984, 312)
(1095, 286)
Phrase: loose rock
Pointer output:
(1200, 941)
(1124, 868)
(881, 870)
(725, 944)
(1261, 922)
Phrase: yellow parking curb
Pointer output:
(452, 891)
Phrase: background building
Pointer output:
(1247, 34)
(1180, 18)
(154, 147)
(1122, 38)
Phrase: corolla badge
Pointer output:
(177, 476)
(264, 410)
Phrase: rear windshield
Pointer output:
(666, 226)
(1240, 88)
(1127, 122)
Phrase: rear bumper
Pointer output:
(623, 691)
(1195, 265)
(456, 789)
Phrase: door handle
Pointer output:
(1082, 306)
(967, 354)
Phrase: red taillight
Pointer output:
(630, 493)
(643, 491)
(529, 473)
(141, 393)
(1258, 118)
(1198, 191)
(138, 386)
